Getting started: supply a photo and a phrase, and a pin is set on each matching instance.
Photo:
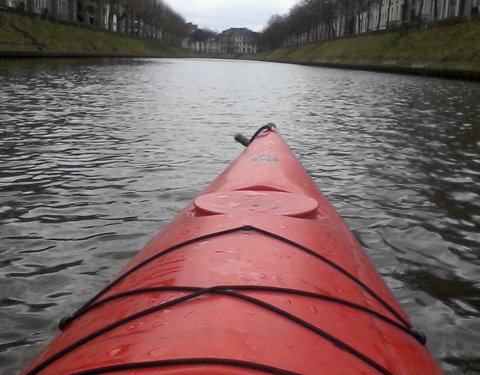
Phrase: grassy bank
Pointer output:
(448, 50)
(445, 50)
(24, 36)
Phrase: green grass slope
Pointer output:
(26, 36)
(454, 48)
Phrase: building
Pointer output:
(239, 40)
(381, 15)
(83, 11)
(231, 41)
(147, 19)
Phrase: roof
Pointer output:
(239, 31)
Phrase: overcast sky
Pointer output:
(222, 14)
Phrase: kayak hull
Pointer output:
(257, 275)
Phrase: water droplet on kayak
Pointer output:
(190, 313)
(114, 352)
(283, 226)
(133, 326)
(289, 301)
(257, 349)
(313, 309)
(277, 278)
(246, 278)
(156, 352)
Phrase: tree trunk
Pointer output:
(137, 27)
(347, 11)
(133, 25)
(420, 10)
(404, 18)
(30, 6)
(126, 22)
(380, 3)
(461, 8)
(369, 3)
(53, 5)
(111, 14)
(451, 9)
(101, 14)
(359, 22)
(434, 15)
(72, 10)
(85, 13)
(388, 13)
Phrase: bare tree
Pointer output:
(100, 16)
(30, 5)
(380, 8)
(389, 8)
(274, 33)
(420, 11)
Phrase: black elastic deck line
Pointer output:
(338, 268)
(257, 288)
(337, 342)
(67, 320)
(246, 142)
(268, 127)
(188, 362)
(222, 290)
(112, 326)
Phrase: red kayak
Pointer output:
(258, 275)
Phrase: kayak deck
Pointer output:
(257, 275)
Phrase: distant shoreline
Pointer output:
(27, 37)
(415, 69)
(443, 50)
(451, 51)
(469, 75)
(15, 55)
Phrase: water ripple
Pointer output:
(96, 156)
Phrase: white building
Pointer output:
(231, 41)
(239, 40)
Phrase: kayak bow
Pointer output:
(258, 275)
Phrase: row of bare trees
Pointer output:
(314, 20)
(303, 18)
(149, 18)
(138, 18)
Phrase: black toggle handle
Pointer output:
(240, 138)
(244, 140)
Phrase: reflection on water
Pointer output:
(97, 156)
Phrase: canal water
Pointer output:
(97, 156)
